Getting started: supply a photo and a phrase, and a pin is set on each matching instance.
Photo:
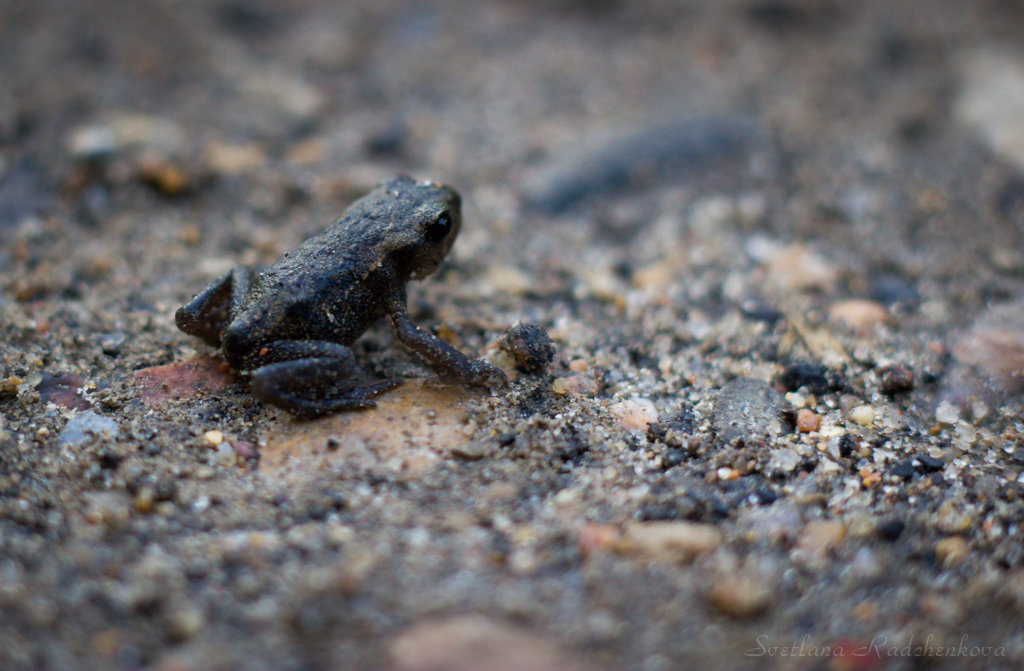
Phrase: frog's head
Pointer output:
(437, 221)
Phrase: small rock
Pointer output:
(62, 389)
(863, 415)
(807, 420)
(820, 536)
(166, 176)
(92, 142)
(951, 551)
(214, 437)
(816, 377)
(859, 314)
(86, 426)
(473, 642)
(895, 378)
(111, 343)
(992, 101)
(891, 529)
(179, 381)
(798, 268)
(596, 538)
(748, 409)
(471, 451)
(673, 541)
(995, 345)
(245, 450)
(635, 414)
(233, 159)
(741, 595)
(530, 345)
(892, 290)
(947, 413)
(783, 460)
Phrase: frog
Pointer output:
(288, 328)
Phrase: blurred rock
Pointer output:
(473, 642)
(991, 101)
(748, 409)
(656, 151)
(530, 345)
(85, 426)
(995, 345)
(799, 268)
(673, 541)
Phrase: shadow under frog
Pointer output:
(289, 326)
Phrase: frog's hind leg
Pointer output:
(310, 378)
(206, 314)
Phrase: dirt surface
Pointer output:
(776, 243)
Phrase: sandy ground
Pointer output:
(777, 244)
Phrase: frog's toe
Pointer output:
(487, 375)
(311, 388)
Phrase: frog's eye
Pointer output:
(439, 228)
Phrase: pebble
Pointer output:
(673, 541)
(472, 642)
(92, 141)
(947, 413)
(799, 268)
(995, 345)
(991, 101)
(111, 343)
(62, 389)
(747, 408)
(859, 314)
(820, 536)
(233, 159)
(952, 551)
(178, 381)
(816, 377)
(530, 345)
(635, 415)
(214, 437)
(863, 415)
(895, 379)
(165, 175)
(807, 420)
(85, 426)
(741, 595)
(471, 451)
(594, 538)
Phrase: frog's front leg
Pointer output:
(451, 362)
(212, 308)
(310, 378)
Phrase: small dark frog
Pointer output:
(288, 326)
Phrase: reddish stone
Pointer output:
(179, 381)
(62, 389)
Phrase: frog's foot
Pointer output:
(313, 387)
(483, 374)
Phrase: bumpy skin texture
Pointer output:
(289, 325)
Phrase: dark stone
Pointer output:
(655, 152)
(895, 379)
(816, 377)
(904, 469)
(927, 464)
(847, 444)
(890, 529)
(530, 345)
(893, 290)
(760, 311)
